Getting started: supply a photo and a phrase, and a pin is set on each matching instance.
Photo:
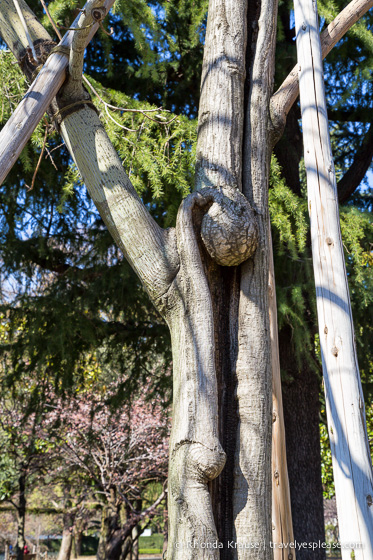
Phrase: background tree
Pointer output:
(24, 456)
(121, 451)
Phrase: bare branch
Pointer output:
(126, 110)
(56, 30)
(283, 99)
(39, 160)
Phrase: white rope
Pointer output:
(24, 25)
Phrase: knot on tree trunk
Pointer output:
(205, 464)
(229, 229)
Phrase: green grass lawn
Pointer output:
(151, 545)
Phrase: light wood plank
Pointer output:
(281, 506)
(286, 95)
(344, 398)
(17, 131)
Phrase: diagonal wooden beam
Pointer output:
(284, 98)
(17, 131)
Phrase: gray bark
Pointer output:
(67, 538)
(252, 488)
(221, 109)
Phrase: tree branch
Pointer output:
(93, 12)
(151, 251)
(353, 177)
(135, 520)
(16, 133)
(283, 99)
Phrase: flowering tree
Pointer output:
(23, 453)
(120, 451)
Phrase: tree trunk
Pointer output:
(165, 533)
(240, 300)
(21, 516)
(78, 535)
(135, 543)
(109, 546)
(301, 412)
(103, 534)
(67, 537)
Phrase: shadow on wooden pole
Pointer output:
(352, 467)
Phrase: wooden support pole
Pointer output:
(286, 95)
(17, 131)
(282, 523)
(352, 466)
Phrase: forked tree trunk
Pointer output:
(352, 467)
(233, 80)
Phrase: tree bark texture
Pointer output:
(252, 485)
(221, 110)
(67, 537)
(21, 515)
(301, 414)
(220, 139)
(352, 467)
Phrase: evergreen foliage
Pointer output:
(66, 281)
